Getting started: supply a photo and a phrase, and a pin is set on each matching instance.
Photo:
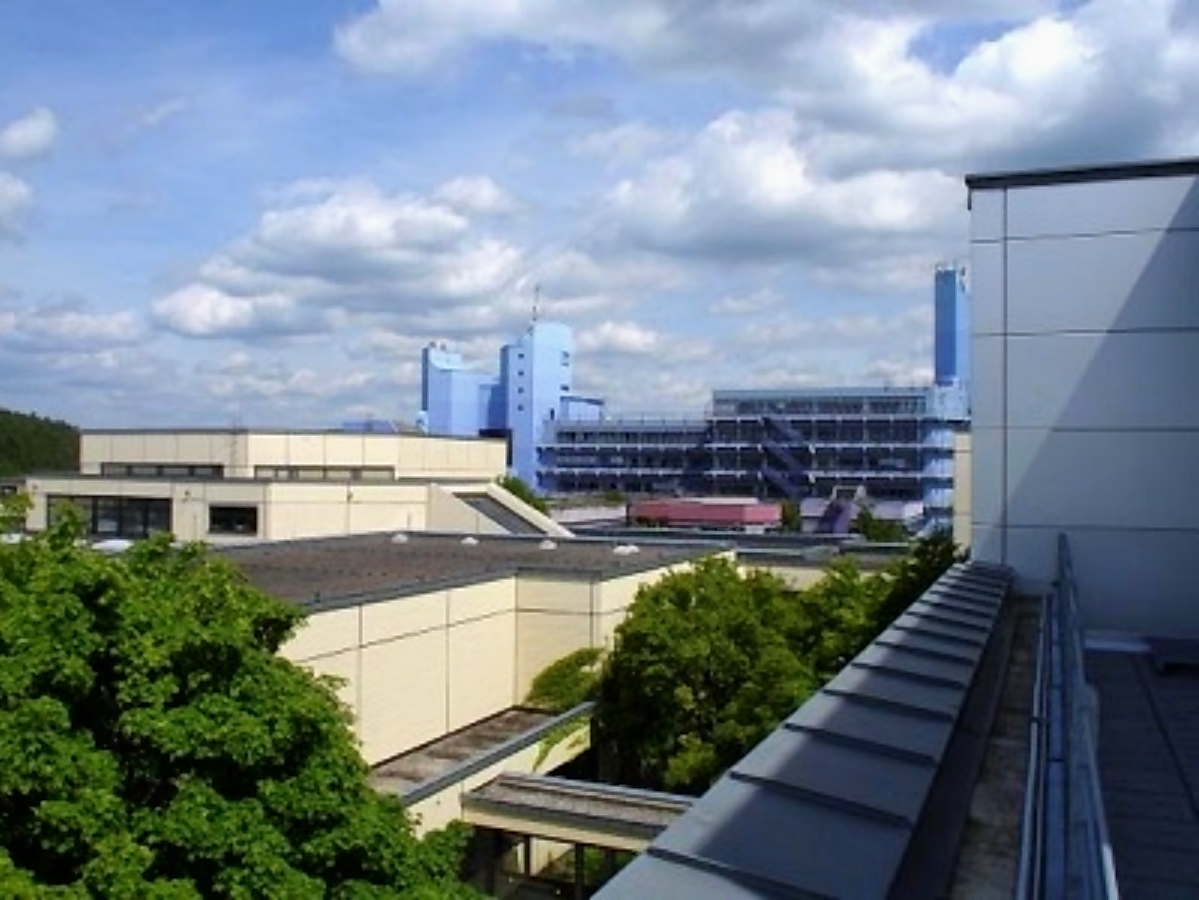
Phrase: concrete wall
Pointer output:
(411, 456)
(1085, 337)
(285, 509)
(418, 667)
(961, 489)
(422, 666)
(448, 513)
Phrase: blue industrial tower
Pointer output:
(951, 341)
(534, 386)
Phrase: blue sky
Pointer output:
(216, 211)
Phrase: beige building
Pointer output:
(437, 639)
(234, 486)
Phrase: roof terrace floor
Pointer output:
(1149, 766)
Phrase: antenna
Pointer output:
(536, 300)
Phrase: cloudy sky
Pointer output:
(217, 210)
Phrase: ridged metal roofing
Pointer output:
(828, 804)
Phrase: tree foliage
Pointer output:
(879, 530)
(30, 444)
(709, 661)
(568, 682)
(13, 510)
(516, 486)
(154, 744)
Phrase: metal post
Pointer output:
(579, 873)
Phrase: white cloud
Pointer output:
(623, 143)
(156, 115)
(16, 200)
(30, 136)
(353, 248)
(475, 194)
(200, 310)
(750, 304)
(745, 189)
(68, 327)
(746, 37)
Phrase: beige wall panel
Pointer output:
(94, 449)
(305, 450)
(543, 592)
(482, 669)
(796, 577)
(343, 449)
(324, 632)
(478, 600)
(403, 695)
(380, 450)
(343, 666)
(266, 450)
(447, 513)
(366, 517)
(403, 616)
(543, 638)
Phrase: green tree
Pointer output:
(711, 660)
(154, 744)
(789, 519)
(700, 671)
(879, 530)
(31, 444)
(13, 510)
(517, 487)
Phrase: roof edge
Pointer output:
(1162, 168)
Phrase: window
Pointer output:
(566, 357)
(233, 520)
(115, 517)
(161, 470)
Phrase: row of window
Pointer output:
(325, 473)
(134, 518)
(162, 470)
(115, 517)
(844, 406)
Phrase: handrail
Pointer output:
(1065, 851)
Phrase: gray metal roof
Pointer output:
(1164, 168)
(829, 805)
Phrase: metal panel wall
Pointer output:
(1086, 418)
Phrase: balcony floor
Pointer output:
(1149, 764)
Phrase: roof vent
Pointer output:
(626, 549)
(399, 538)
(470, 541)
(547, 544)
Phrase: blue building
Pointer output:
(534, 387)
(891, 447)
(951, 300)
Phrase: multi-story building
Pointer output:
(534, 387)
(237, 486)
(895, 445)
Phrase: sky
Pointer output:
(216, 212)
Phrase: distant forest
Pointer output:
(33, 444)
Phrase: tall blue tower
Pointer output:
(537, 372)
(951, 339)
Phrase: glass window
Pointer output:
(309, 473)
(176, 471)
(107, 521)
(377, 473)
(144, 471)
(233, 520)
(114, 469)
(158, 516)
(339, 474)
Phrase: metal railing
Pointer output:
(1065, 850)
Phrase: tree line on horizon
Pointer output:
(30, 443)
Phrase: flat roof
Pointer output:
(1166, 168)
(332, 572)
(284, 431)
(246, 479)
(823, 393)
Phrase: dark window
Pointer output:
(114, 469)
(233, 520)
(115, 517)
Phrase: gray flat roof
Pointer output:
(340, 571)
(1166, 168)
(1149, 771)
